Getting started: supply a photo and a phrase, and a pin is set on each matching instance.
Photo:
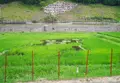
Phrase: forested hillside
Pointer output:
(39, 2)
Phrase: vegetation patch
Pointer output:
(50, 19)
(72, 55)
(18, 11)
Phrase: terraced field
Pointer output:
(110, 38)
(73, 49)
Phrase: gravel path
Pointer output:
(114, 79)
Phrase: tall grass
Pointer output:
(46, 58)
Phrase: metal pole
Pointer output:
(119, 58)
(5, 73)
(0, 11)
(111, 58)
(87, 62)
(1, 14)
(32, 65)
(58, 65)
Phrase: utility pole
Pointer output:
(1, 16)
(0, 12)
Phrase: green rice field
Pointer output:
(73, 50)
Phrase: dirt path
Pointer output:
(114, 79)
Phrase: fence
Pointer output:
(59, 65)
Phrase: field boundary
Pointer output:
(110, 39)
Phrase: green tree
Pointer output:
(110, 2)
(43, 2)
(1, 1)
(37, 2)
(50, 19)
(118, 2)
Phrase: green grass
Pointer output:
(96, 12)
(21, 12)
(19, 66)
(114, 34)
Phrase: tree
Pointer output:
(43, 2)
(37, 2)
(110, 2)
(24, 1)
(50, 19)
(118, 2)
(2, 1)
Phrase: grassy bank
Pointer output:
(92, 12)
(96, 12)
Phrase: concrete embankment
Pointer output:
(60, 27)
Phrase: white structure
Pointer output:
(59, 7)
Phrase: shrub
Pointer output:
(50, 19)
(1, 19)
(34, 21)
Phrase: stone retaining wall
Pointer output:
(59, 7)
(59, 28)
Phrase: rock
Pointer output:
(59, 7)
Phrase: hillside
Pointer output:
(20, 11)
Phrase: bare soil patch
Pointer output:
(114, 79)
